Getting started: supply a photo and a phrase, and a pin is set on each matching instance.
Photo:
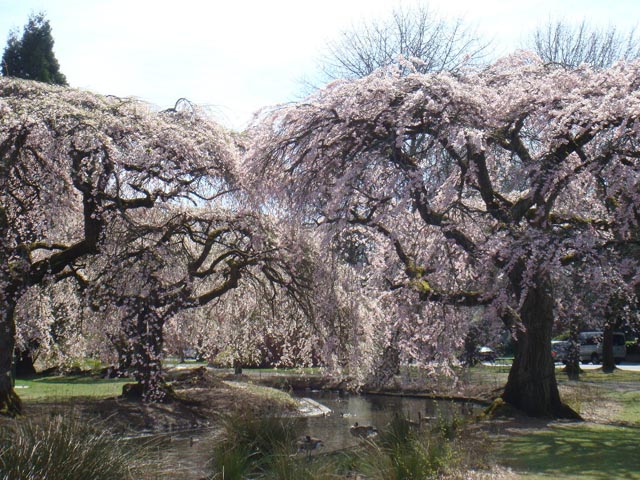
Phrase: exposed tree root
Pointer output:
(500, 408)
(10, 404)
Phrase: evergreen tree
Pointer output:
(32, 56)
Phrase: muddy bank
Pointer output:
(299, 383)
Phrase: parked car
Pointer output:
(591, 347)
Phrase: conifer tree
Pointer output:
(31, 56)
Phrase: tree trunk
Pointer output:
(572, 368)
(147, 368)
(532, 386)
(25, 363)
(388, 364)
(237, 367)
(608, 360)
(10, 403)
(470, 356)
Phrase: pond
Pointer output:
(373, 410)
(187, 453)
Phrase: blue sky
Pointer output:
(236, 56)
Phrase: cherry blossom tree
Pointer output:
(520, 170)
(72, 162)
(185, 259)
(256, 326)
(51, 326)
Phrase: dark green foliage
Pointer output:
(31, 57)
(63, 449)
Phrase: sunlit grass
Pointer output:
(585, 451)
(577, 451)
(173, 361)
(65, 388)
(286, 370)
(597, 375)
(271, 393)
(630, 408)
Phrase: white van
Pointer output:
(591, 347)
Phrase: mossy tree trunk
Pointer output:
(388, 364)
(531, 386)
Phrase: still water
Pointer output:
(188, 453)
(373, 410)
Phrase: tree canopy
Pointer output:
(74, 165)
(474, 189)
(144, 210)
(376, 222)
(31, 56)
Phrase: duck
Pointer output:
(363, 431)
(308, 443)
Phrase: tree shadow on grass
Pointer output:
(77, 379)
(576, 451)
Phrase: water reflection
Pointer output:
(185, 455)
(375, 410)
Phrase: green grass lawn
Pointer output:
(599, 376)
(173, 361)
(576, 451)
(583, 450)
(65, 388)
(630, 408)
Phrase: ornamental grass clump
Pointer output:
(250, 445)
(66, 449)
(295, 467)
(405, 451)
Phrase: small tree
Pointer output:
(31, 56)
(174, 258)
